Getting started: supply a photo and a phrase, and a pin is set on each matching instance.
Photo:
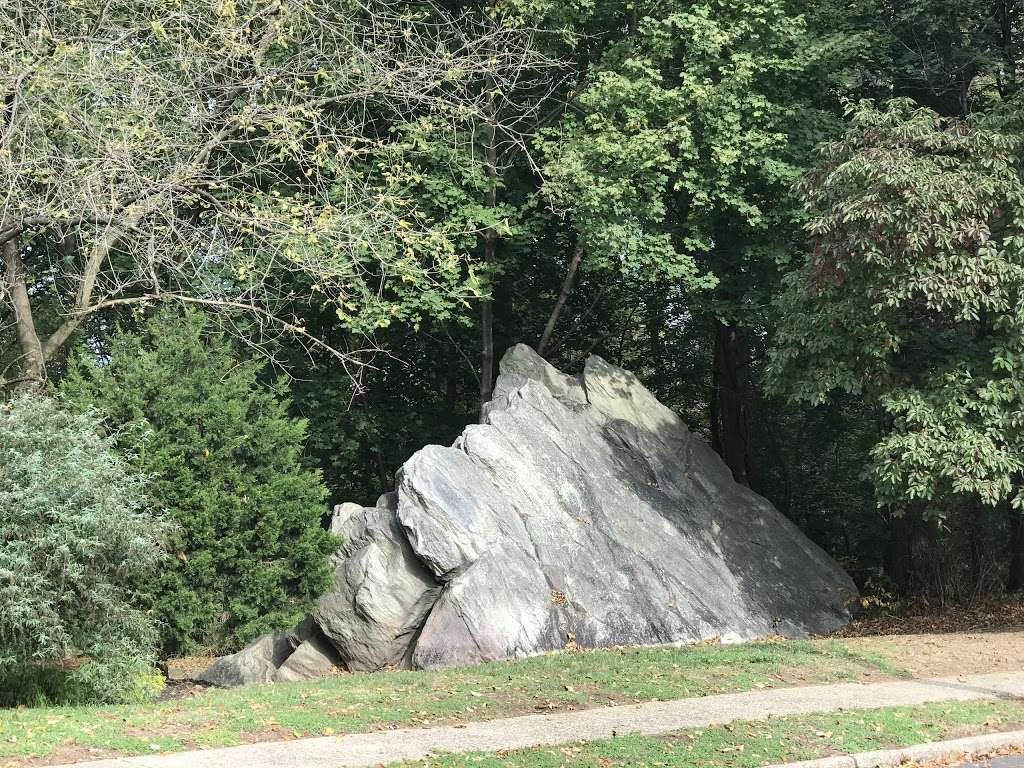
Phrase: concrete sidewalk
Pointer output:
(370, 749)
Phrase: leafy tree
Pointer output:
(408, 189)
(913, 298)
(204, 154)
(77, 537)
(227, 466)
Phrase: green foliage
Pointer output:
(914, 297)
(680, 133)
(368, 177)
(963, 56)
(410, 399)
(77, 538)
(671, 164)
(227, 467)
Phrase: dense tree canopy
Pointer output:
(913, 295)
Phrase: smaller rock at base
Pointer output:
(256, 663)
(313, 658)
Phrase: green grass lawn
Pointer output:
(366, 702)
(751, 744)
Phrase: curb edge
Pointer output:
(886, 758)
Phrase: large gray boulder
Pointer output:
(581, 511)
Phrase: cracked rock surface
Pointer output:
(581, 511)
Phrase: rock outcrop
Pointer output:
(582, 511)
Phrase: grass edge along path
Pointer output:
(750, 744)
(376, 701)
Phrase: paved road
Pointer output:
(1012, 761)
(370, 749)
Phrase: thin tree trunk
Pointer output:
(1007, 81)
(487, 339)
(490, 258)
(976, 542)
(930, 572)
(898, 559)
(1015, 577)
(33, 361)
(913, 559)
(655, 323)
(716, 430)
(731, 430)
(563, 296)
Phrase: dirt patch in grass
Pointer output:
(66, 753)
(181, 689)
(946, 655)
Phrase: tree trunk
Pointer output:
(1007, 80)
(656, 323)
(730, 423)
(898, 557)
(487, 340)
(977, 545)
(1015, 577)
(563, 296)
(931, 574)
(32, 361)
(490, 258)
(913, 557)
